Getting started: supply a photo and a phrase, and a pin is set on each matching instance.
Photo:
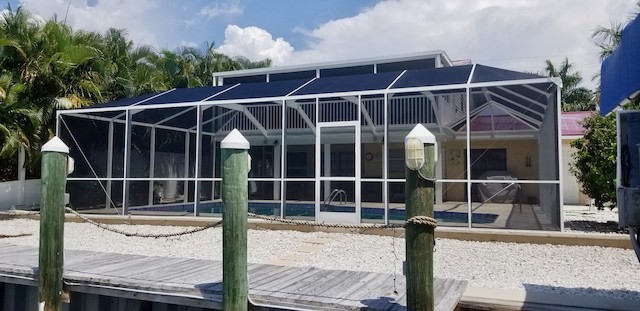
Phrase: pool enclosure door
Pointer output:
(337, 172)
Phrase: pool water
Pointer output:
(308, 210)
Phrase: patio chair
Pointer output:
(507, 192)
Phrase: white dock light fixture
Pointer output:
(416, 152)
(414, 147)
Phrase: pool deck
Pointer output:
(198, 283)
(501, 215)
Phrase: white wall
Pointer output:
(571, 188)
(16, 193)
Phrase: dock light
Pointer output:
(414, 147)
(414, 153)
(71, 165)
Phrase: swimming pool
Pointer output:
(308, 210)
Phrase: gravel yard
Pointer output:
(582, 270)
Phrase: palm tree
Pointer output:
(574, 97)
(129, 71)
(607, 39)
(19, 123)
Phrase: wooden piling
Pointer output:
(235, 169)
(419, 239)
(51, 254)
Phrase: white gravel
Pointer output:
(581, 270)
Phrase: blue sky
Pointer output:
(512, 34)
(198, 21)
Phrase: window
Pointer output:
(483, 160)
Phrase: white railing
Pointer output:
(411, 110)
(402, 110)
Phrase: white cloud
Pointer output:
(2, 14)
(35, 18)
(143, 19)
(189, 44)
(513, 34)
(255, 44)
(518, 35)
(222, 8)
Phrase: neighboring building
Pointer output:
(327, 143)
(572, 129)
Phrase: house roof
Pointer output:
(393, 81)
(571, 122)
(520, 100)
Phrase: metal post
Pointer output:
(152, 164)
(420, 152)
(51, 254)
(185, 192)
(235, 170)
(127, 162)
(196, 184)
(22, 175)
(107, 199)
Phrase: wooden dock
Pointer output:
(198, 283)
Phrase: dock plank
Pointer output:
(289, 287)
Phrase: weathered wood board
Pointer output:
(286, 287)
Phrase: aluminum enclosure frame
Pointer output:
(468, 88)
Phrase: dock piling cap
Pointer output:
(234, 140)
(55, 144)
(420, 132)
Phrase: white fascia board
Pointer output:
(511, 82)
(332, 64)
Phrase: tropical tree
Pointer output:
(46, 66)
(595, 159)
(129, 71)
(607, 38)
(189, 66)
(574, 97)
(19, 123)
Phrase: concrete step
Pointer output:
(479, 298)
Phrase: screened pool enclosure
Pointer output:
(329, 147)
